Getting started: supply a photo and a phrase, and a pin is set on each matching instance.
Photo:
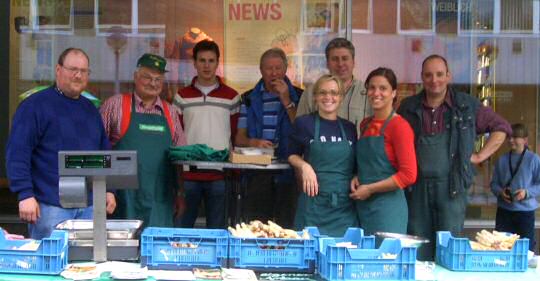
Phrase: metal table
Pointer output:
(232, 185)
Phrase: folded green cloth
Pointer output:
(197, 152)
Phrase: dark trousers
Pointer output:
(432, 209)
(266, 200)
(518, 222)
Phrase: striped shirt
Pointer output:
(111, 113)
(271, 106)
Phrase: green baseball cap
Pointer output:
(152, 61)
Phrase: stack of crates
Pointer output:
(50, 257)
(456, 254)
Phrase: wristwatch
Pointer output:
(290, 105)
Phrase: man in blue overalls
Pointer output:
(445, 124)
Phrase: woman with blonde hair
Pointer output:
(321, 149)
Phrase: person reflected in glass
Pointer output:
(321, 149)
(385, 159)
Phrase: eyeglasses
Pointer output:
(75, 70)
(328, 93)
(147, 79)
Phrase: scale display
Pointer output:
(87, 161)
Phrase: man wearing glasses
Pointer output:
(144, 122)
(56, 118)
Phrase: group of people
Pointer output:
(357, 161)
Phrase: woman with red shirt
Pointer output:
(385, 160)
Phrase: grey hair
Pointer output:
(274, 53)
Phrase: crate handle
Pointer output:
(175, 239)
(261, 244)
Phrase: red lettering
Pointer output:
(246, 11)
(234, 11)
(276, 11)
(261, 12)
(253, 11)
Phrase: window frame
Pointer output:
(369, 29)
(430, 31)
(133, 29)
(34, 27)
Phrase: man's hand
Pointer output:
(179, 206)
(29, 210)
(506, 195)
(260, 143)
(520, 194)
(110, 203)
(280, 87)
(309, 181)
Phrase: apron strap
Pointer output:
(126, 114)
(342, 129)
(386, 122)
(317, 126)
(381, 132)
(128, 106)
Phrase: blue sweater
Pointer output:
(527, 177)
(44, 124)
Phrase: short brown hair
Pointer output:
(66, 52)
(339, 42)
(520, 130)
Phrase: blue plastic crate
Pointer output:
(353, 234)
(51, 257)
(274, 254)
(182, 248)
(340, 263)
(456, 254)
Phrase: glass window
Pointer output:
(56, 16)
(394, 33)
(415, 15)
(476, 15)
(113, 13)
(517, 16)
(152, 15)
(361, 16)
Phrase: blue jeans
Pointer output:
(518, 222)
(213, 193)
(51, 215)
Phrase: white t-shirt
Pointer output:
(206, 89)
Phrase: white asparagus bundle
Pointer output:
(495, 240)
(257, 229)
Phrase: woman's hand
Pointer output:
(355, 183)
(309, 180)
(362, 191)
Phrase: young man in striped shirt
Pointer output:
(209, 111)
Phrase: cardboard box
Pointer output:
(237, 158)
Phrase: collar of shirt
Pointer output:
(158, 103)
(447, 101)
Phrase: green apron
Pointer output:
(153, 202)
(431, 206)
(332, 209)
(386, 211)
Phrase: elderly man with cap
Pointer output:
(144, 122)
